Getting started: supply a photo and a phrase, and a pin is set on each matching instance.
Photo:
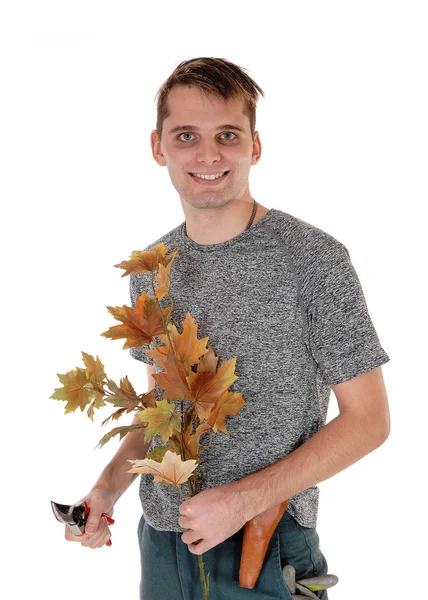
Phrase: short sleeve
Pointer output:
(137, 285)
(343, 340)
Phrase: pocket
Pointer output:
(277, 566)
(299, 547)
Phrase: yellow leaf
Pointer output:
(74, 390)
(162, 420)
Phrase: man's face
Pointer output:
(199, 138)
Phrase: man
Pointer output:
(283, 297)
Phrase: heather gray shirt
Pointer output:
(283, 298)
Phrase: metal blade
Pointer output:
(61, 511)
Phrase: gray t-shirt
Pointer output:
(283, 298)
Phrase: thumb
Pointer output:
(93, 521)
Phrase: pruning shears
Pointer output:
(75, 516)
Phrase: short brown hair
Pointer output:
(213, 76)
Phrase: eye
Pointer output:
(228, 133)
(185, 133)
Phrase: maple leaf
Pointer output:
(228, 404)
(73, 390)
(158, 452)
(142, 261)
(125, 395)
(140, 324)
(163, 279)
(173, 380)
(186, 345)
(162, 420)
(121, 431)
(191, 441)
(116, 415)
(94, 368)
(171, 470)
(208, 384)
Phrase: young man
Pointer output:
(283, 297)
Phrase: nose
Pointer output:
(208, 152)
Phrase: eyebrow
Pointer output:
(193, 128)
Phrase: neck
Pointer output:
(217, 225)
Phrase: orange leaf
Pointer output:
(142, 261)
(207, 384)
(191, 441)
(140, 324)
(173, 380)
(228, 404)
(163, 279)
(186, 344)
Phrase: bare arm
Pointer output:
(115, 477)
(362, 426)
(111, 484)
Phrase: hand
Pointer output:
(97, 532)
(211, 517)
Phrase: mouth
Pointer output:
(209, 182)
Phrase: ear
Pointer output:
(257, 149)
(157, 148)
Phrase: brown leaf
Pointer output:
(163, 279)
(142, 261)
(140, 324)
(173, 380)
(94, 368)
(115, 415)
(228, 404)
(123, 395)
(121, 431)
(191, 441)
(208, 384)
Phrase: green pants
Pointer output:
(169, 571)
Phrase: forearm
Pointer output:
(115, 477)
(340, 443)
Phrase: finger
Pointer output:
(98, 539)
(93, 522)
(100, 534)
(108, 519)
(184, 522)
(71, 537)
(190, 536)
(200, 547)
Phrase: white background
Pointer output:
(344, 134)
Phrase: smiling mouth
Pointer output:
(211, 179)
